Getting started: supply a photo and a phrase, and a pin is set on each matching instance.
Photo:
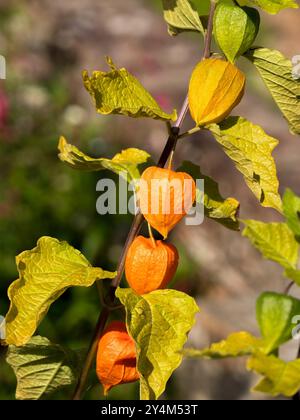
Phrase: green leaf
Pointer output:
(235, 29)
(202, 7)
(275, 241)
(275, 313)
(291, 209)
(181, 16)
(42, 368)
(270, 6)
(125, 163)
(251, 148)
(293, 274)
(279, 377)
(159, 323)
(45, 273)
(276, 72)
(236, 345)
(118, 92)
(224, 211)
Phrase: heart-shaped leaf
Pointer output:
(45, 273)
(158, 322)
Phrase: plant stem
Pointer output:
(209, 31)
(189, 132)
(137, 224)
(135, 228)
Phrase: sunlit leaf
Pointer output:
(45, 273)
(125, 163)
(291, 209)
(276, 72)
(275, 313)
(42, 368)
(159, 323)
(275, 241)
(270, 6)
(224, 211)
(251, 148)
(181, 16)
(118, 92)
(236, 345)
(280, 378)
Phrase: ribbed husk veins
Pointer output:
(116, 357)
(216, 87)
(165, 197)
(150, 266)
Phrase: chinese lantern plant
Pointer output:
(147, 345)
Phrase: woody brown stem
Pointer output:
(136, 226)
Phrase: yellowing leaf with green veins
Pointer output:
(280, 377)
(275, 241)
(275, 313)
(158, 322)
(181, 16)
(42, 368)
(125, 163)
(118, 92)
(291, 209)
(251, 149)
(236, 345)
(235, 29)
(276, 72)
(215, 88)
(224, 211)
(270, 6)
(45, 273)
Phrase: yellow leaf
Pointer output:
(236, 345)
(118, 92)
(280, 377)
(45, 273)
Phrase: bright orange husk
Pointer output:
(116, 357)
(150, 266)
(163, 207)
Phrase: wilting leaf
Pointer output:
(276, 72)
(224, 211)
(42, 368)
(270, 6)
(251, 148)
(118, 92)
(235, 29)
(181, 16)
(125, 163)
(45, 273)
(291, 209)
(274, 240)
(159, 323)
(236, 345)
(275, 315)
(279, 377)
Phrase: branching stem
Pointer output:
(174, 133)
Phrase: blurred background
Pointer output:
(47, 43)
